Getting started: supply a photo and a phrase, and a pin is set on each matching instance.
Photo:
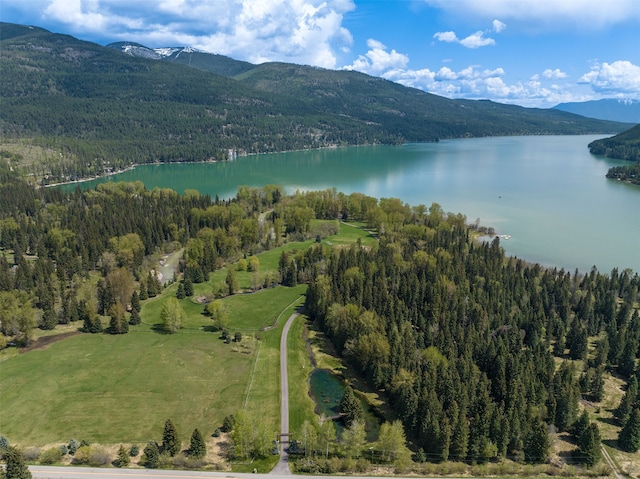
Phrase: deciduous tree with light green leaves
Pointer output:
(218, 312)
(118, 323)
(17, 315)
(172, 316)
(392, 443)
(251, 438)
(327, 435)
(309, 438)
(353, 438)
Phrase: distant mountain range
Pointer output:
(109, 107)
(627, 111)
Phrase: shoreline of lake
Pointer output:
(543, 191)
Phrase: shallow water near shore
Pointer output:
(548, 193)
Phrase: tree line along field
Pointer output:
(121, 388)
(479, 355)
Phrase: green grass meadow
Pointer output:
(113, 389)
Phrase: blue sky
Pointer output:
(529, 52)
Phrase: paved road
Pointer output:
(53, 472)
(282, 468)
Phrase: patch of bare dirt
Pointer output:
(45, 341)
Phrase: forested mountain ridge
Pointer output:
(624, 146)
(102, 109)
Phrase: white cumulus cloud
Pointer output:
(556, 74)
(473, 82)
(618, 77)
(448, 37)
(475, 40)
(498, 26)
(378, 60)
(296, 31)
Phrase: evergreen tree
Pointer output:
(135, 318)
(197, 446)
(188, 288)
(581, 425)
(624, 409)
(150, 455)
(16, 467)
(629, 437)
(123, 458)
(135, 302)
(627, 362)
(170, 442)
(578, 341)
(49, 319)
(589, 445)
(231, 280)
(180, 292)
(351, 407)
(227, 423)
(537, 443)
(459, 437)
(91, 322)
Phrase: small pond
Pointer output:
(326, 389)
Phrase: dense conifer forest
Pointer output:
(474, 347)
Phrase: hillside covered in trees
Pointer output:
(97, 109)
(624, 146)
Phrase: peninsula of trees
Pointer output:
(624, 146)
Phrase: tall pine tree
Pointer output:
(170, 441)
(197, 447)
(16, 467)
(589, 445)
(629, 438)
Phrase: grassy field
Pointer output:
(111, 389)
(108, 389)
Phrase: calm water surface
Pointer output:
(548, 192)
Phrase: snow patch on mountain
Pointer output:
(176, 51)
(166, 52)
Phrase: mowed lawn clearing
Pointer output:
(111, 389)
